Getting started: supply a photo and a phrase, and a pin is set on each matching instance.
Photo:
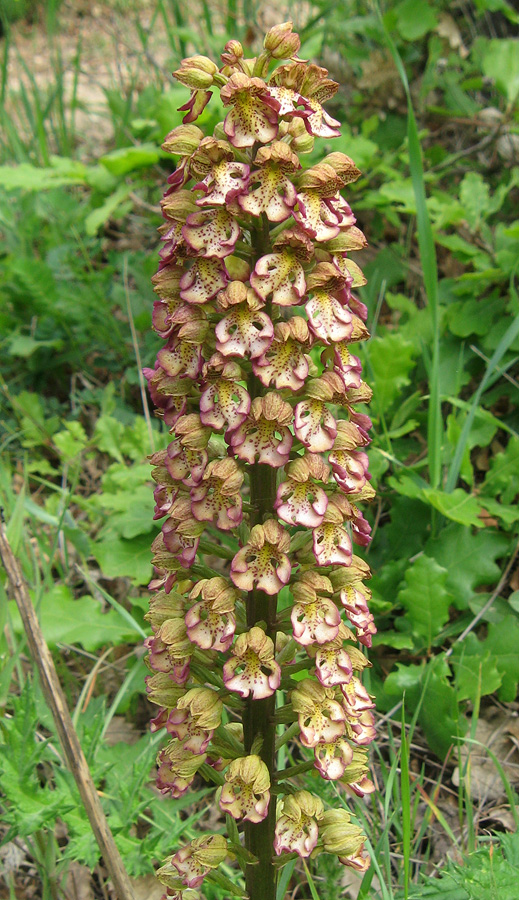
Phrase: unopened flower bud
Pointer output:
(196, 72)
(183, 140)
(281, 41)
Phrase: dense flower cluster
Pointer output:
(260, 484)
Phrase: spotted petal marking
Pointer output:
(316, 622)
(254, 114)
(332, 759)
(262, 562)
(350, 470)
(252, 668)
(223, 404)
(217, 497)
(181, 358)
(321, 718)
(203, 280)
(223, 183)
(329, 320)
(291, 103)
(316, 217)
(332, 545)
(270, 192)
(184, 464)
(301, 503)
(211, 233)
(244, 332)
(280, 275)
(267, 441)
(210, 629)
(320, 123)
(333, 665)
(284, 364)
(314, 425)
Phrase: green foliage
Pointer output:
(489, 874)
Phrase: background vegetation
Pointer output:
(86, 100)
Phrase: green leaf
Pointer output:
(475, 668)
(127, 159)
(503, 642)
(475, 197)
(118, 557)
(501, 63)
(108, 434)
(24, 345)
(470, 559)
(391, 358)
(71, 441)
(425, 598)
(33, 178)
(97, 218)
(502, 477)
(458, 506)
(414, 19)
(132, 511)
(69, 621)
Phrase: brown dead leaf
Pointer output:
(147, 888)
(483, 780)
(79, 883)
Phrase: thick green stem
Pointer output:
(259, 714)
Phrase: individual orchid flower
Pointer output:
(252, 668)
(211, 621)
(216, 497)
(245, 330)
(194, 861)
(315, 617)
(332, 758)
(333, 663)
(297, 828)
(245, 794)
(254, 113)
(177, 768)
(285, 363)
(211, 232)
(280, 274)
(270, 190)
(263, 562)
(321, 718)
(331, 541)
(265, 433)
(354, 599)
(300, 500)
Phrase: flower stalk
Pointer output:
(257, 597)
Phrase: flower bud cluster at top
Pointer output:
(260, 484)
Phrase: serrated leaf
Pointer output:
(425, 598)
(108, 434)
(470, 559)
(503, 642)
(458, 506)
(475, 669)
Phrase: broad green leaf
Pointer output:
(458, 506)
(425, 598)
(395, 639)
(33, 178)
(24, 345)
(470, 559)
(475, 669)
(132, 511)
(503, 642)
(120, 558)
(414, 19)
(501, 63)
(391, 359)
(127, 159)
(66, 620)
